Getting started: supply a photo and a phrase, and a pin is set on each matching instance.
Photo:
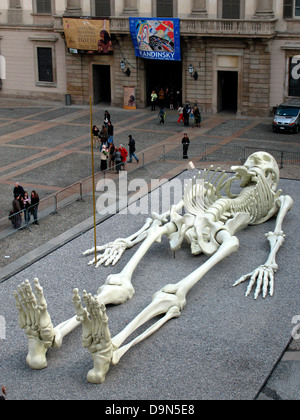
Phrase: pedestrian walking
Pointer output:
(192, 117)
(161, 97)
(186, 115)
(153, 100)
(118, 160)
(103, 157)
(103, 136)
(172, 99)
(124, 155)
(26, 207)
(35, 200)
(131, 145)
(185, 143)
(110, 133)
(96, 136)
(106, 118)
(111, 158)
(162, 116)
(180, 112)
(197, 116)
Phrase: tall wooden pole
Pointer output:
(93, 177)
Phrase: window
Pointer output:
(291, 9)
(297, 8)
(231, 9)
(44, 64)
(164, 8)
(102, 8)
(45, 59)
(44, 6)
(294, 76)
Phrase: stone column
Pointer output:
(198, 9)
(73, 8)
(264, 9)
(130, 8)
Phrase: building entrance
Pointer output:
(101, 84)
(227, 91)
(163, 74)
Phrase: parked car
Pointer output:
(287, 116)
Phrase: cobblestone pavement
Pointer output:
(47, 147)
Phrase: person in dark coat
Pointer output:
(18, 190)
(131, 145)
(34, 205)
(16, 208)
(186, 115)
(118, 160)
(197, 117)
(185, 143)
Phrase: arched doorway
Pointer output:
(101, 84)
(163, 74)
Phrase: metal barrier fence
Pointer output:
(213, 152)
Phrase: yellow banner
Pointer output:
(88, 34)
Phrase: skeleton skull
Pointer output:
(262, 164)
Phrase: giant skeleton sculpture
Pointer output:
(209, 223)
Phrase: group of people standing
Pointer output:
(169, 98)
(23, 203)
(189, 115)
(112, 157)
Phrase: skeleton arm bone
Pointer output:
(263, 276)
(114, 250)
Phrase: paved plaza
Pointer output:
(47, 147)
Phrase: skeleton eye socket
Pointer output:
(267, 158)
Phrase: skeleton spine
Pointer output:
(255, 200)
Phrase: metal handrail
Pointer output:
(283, 158)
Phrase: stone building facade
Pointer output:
(243, 53)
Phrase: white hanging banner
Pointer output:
(2, 67)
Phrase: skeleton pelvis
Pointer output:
(206, 230)
(182, 225)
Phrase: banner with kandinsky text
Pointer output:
(156, 38)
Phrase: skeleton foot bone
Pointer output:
(95, 334)
(35, 320)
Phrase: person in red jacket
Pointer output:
(124, 155)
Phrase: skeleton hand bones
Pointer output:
(263, 276)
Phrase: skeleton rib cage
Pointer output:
(204, 197)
